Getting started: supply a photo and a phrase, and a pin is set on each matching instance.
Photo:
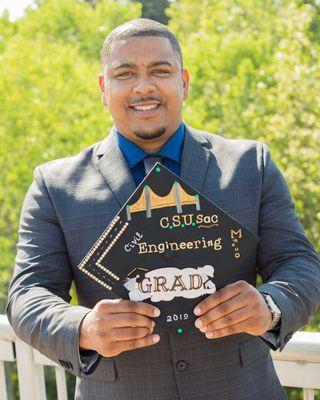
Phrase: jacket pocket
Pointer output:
(105, 371)
(253, 350)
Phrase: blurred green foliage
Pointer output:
(255, 73)
(154, 9)
(49, 97)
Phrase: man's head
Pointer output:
(141, 27)
(143, 82)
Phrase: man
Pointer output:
(110, 344)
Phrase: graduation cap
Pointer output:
(171, 247)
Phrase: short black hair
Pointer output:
(141, 27)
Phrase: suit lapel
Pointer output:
(195, 158)
(114, 168)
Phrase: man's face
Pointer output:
(144, 88)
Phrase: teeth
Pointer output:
(143, 108)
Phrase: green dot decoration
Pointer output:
(158, 169)
(193, 224)
(180, 330)
(170, 227)
(183, 226)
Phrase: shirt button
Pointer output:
(181, 366)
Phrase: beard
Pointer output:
(149, 135)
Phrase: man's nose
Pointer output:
(144, 85)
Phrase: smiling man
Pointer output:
(144, 84)
(111, 344)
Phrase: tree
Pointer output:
(154, 9)
(49, 97)
(255, 74)
(93, 3)
(49, 104)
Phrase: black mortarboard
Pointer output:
(169, 246)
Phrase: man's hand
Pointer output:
(236, 308)
(114, 326)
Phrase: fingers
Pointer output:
(114, 326)
(127, 306)
(229, 320)
(235, 308)
(128, 319)
(137, 343)
(120, 334)
(220, 296)
(221, 310)
(229, 330)
(114, 348)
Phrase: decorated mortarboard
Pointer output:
(171, 247)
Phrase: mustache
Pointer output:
(144, 100)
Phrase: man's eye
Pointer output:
(125, 74)
(161, 71)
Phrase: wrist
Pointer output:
(274, 311)
(84, 335)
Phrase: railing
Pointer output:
(298, 365)
(30, 366)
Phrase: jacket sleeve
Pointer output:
(288, 264)
(38, 304)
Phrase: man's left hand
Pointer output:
(236, 308)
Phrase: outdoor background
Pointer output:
(255, 74)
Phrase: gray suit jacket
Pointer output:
(69, 205)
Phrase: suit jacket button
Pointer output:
(181, 366)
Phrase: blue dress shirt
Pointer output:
(170, 152)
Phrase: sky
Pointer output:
(15, 7)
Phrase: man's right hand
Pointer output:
(114, 326)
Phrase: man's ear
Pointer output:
(102, 87)
(185, 82)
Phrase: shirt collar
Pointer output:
(173, 147)
(134, 154)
